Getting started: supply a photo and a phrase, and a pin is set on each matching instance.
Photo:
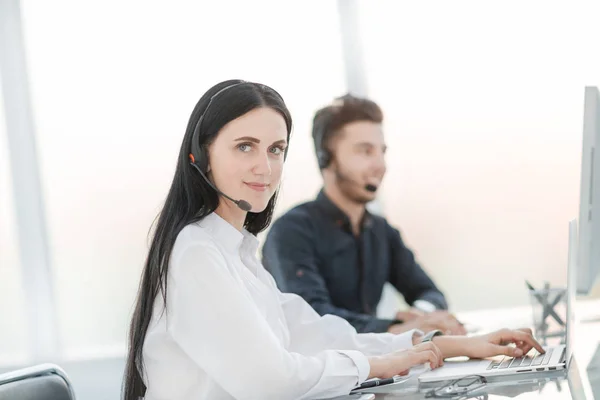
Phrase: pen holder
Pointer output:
(549, 313)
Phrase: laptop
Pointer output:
(556, 358)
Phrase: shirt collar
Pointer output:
(338, 216)
(228, 236)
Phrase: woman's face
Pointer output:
(246, 157)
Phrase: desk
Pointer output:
(574, 384)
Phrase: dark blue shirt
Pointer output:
(311, 251)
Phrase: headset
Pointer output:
(321, 127)
(199, 157)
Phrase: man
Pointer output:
(333, 252)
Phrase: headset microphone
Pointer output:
(242, 204)
(199, 156)
(368, 187)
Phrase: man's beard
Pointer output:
(350, 189)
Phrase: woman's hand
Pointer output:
(400, 362)
(492, 344)
(500, 343)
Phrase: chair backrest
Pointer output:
(40, 382)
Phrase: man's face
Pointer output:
(359, 159)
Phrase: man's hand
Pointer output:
(441, 320)
(409, 314)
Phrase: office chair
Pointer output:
(40, 382)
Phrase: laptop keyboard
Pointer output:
(532, 359)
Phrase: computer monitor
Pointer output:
(589, 200)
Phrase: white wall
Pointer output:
(484, 116)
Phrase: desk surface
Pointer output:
(574, 384)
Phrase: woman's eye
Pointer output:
(277, 150)
(245, 147)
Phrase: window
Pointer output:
(13, 338)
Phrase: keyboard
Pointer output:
(532, 359)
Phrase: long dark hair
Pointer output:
(189, 200)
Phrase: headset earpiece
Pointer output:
(323, 158)
(199, 155)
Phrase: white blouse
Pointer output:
(229, 333)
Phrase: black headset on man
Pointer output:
(321, 130)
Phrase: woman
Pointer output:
(209, 322)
